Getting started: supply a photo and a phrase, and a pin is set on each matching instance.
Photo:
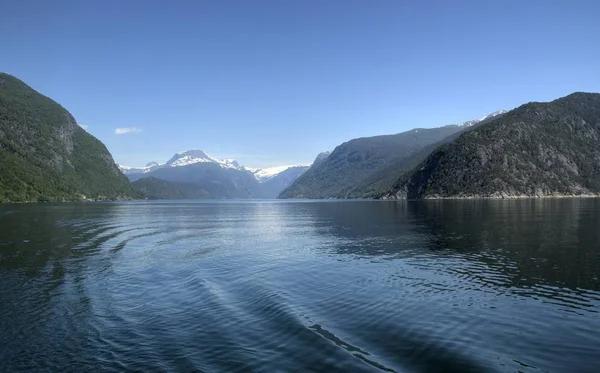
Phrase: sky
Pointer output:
(276, 82)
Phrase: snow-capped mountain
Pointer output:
(191, 157)
(127, 170)
(198, 156)
(196, 171)
(494, 114)
(264, 174)
(489, 116)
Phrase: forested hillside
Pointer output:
(46, 156)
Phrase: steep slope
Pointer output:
(353, 162)
(368, 166)
(321, 157)
(46, 156)
(273, 186)
(154, 188)
(536, 150)
(381, 181)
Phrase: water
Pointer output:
(365, 286)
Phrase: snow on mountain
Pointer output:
(494, 114)
(264, 174)
(190, 157)
(229, 163)
(127, 170)
(198, 156)
(475, 121)
(187, 160)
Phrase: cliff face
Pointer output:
(46, 156)
(536, 150)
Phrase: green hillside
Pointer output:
(46, 156)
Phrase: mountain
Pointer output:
(273, 186)
(154, 188)
(198, 156)
(215, 178)
(366, 166)
(181, 159)
(219, 181)
(46, 156)
(381, 181)
(264, 174)
(126, 170)
(486, 118)
(321, 157)
(536, 150)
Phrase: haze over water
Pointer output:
(273, 286)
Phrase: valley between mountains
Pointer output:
(539, 149)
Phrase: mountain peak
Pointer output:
(196, 153)
(195, 156)
(487, 117)
(189, 157)
(494, 114)
(321, 157)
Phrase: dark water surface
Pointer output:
(364, 286)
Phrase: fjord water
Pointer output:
(437, 286)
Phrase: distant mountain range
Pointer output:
(215, 178)
(485, 119)
(182, 159)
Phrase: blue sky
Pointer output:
(276, 82)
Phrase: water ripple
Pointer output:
(283, 286)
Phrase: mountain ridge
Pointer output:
(365, 166)
(214, 178)
(540, 149)
(188, 157)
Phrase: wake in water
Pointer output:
(320, 287)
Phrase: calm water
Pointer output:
(364, 286)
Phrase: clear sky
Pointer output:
(276, 82)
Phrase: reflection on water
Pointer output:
(436, 286)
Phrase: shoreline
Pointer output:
(386, 198)
(73, 201)
(516, 197)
